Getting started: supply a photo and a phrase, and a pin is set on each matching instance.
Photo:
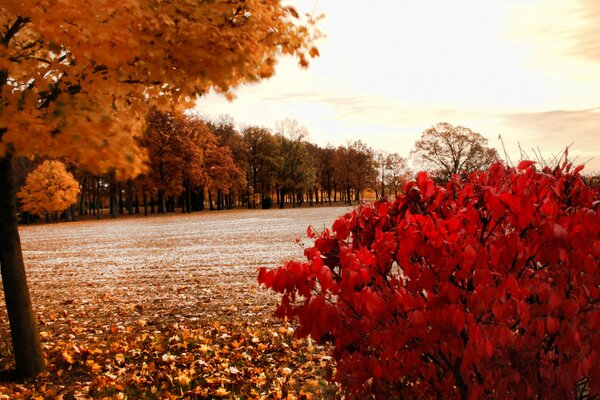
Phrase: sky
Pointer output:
(528, 70)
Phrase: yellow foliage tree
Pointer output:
(76, 77)
(48, 189)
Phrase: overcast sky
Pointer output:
(389, 69)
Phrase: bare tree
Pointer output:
(447, 150)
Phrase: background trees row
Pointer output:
(194, 164)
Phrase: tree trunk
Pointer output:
(210, 202)
(99, 200)
(121, 202)
(82, 198)
(129, 197)
(137, 203)
(112, 194)
(161, 201)
(23, 324)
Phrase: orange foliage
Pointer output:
(76, 76)
(49, 188)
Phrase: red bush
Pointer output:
(487, 288)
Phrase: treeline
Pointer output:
(194, 164)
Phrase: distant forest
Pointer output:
(195, 165)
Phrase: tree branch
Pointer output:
(19, 23)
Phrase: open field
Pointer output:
(97, 283)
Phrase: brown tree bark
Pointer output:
(23, 324)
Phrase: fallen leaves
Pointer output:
(237, 359)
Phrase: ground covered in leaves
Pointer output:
(167, 307)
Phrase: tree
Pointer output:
(325, 171)
(228, 136)
(485, 288)
(295, 171)
(398, 173)
(262, 150)
(75, 80)
(49, 188)
(447, 150)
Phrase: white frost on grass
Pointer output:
(204, 244)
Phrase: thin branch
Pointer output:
(19, 23)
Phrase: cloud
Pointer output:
(586, 39)
(552, 131)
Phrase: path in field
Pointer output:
(179, 267)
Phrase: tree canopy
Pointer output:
(447, 150)
(75, 77)
(49, 188)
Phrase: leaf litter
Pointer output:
(168, 307)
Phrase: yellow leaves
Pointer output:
(220, 360)
(67, 357)
(49, 188)
(183, 379)
(221, 392)
(129, 53)
(120, 358)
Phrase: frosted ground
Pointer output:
(147, 270)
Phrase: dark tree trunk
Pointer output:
(210, 202)
(161, 201)
(145, 201)
(129, 197)
(137, 203)
(23, 324)
(82, 198)
(152, 204)
(99, 200)
(121, 202)
(201, 195)
(112, 194)
(188, 195)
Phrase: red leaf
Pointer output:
(418, 318)
(469, 255)
(552, 324)
(525, 164)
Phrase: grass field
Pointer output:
(112, 294)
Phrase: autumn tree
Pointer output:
(262, 151)
(354, 166)
(325, 171)
(75, 80)
(49, 188)
(296, 169)
(221, 172)
(228, 136)
(397, 173)
(447, 150)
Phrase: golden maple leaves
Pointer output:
(230, 360)
(79, 74)
(49, 188)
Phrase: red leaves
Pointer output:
(341, 227)
(497, 275)
(525, 164)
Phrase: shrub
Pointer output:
(483, 288)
